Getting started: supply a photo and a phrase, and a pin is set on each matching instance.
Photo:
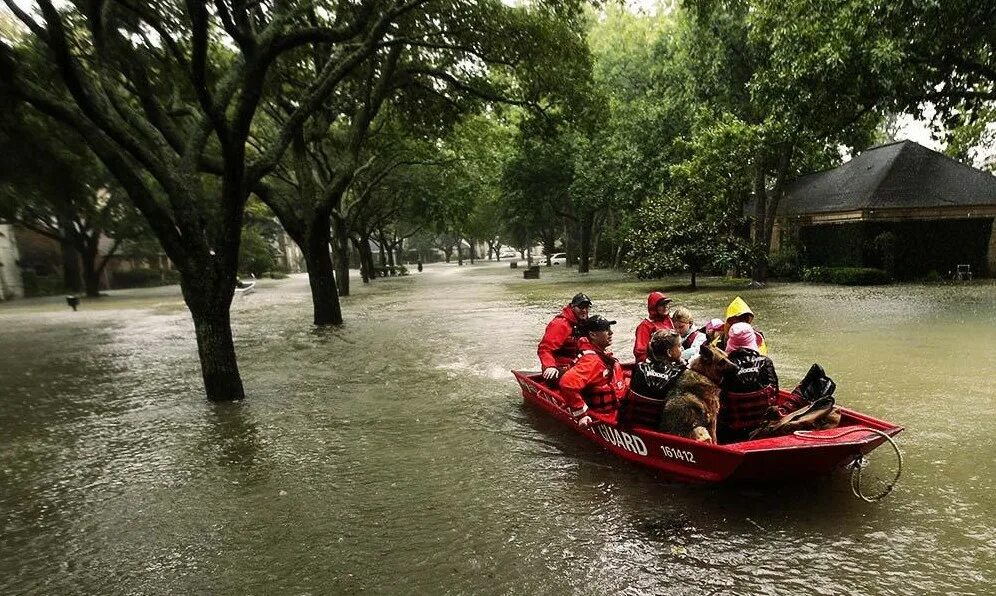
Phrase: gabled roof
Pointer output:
(901, 175)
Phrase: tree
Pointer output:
(450, 59)
(52, 184)
(754, 63)
(696, 224)
(163, 92)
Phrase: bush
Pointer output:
(41, 285)
(846, 276)
(785, 263)
(276, 275)
(145, 278)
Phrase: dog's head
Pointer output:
(712, 363)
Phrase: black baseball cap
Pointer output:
(597, 323)
(581, 301)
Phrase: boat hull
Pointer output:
(795, 456)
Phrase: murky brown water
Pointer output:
(395, 456)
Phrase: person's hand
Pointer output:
(584, 421)
(551, 372)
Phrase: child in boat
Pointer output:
(747, 391)
(739, 312)
(691, 338)
(654, 376)
(596, 382)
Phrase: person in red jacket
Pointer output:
(596, 383)
(559, 346)
(657, 303)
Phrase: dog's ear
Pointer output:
(705, 352)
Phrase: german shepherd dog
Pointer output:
(692, 404)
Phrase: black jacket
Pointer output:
(653, 379)
(756, 372)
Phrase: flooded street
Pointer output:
(395, 455)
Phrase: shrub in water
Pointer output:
(846, 276)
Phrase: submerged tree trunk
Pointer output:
(381, 241)
(209, 301)
(341, 238)
(321, 275)
(585, 225)
(70, 256)
(91, 273)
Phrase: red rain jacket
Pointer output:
(559, 346)
(647, 326)
(596, 381)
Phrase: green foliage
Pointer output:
(846, 276)
(785, 263)
(41, 285)
(145, 278)
(256, 254)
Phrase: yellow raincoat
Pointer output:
(737, 308)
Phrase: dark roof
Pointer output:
(900, 175)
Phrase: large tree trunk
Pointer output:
(321, 276)
(91, 273)
(369, 257)
(585, 225)
(70, 257)
(367, 268)
(473, 250)
(766, 206)
(209, 301)
(381, 241)
(341, 237)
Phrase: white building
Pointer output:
(11, 284)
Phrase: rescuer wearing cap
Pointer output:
(559, 346)
(595, 384)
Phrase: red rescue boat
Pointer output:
(798, 455)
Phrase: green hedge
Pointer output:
(846, 276)
(144, 278)
(41, 285)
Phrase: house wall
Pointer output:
(11, 284)
(921, 246)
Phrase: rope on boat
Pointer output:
(859, 462)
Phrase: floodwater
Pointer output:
(395, 455)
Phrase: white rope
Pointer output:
(859, 462)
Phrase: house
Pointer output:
(11, 283)
(901, 207)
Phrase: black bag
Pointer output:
(815, 385)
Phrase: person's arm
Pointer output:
(694, 348)
(772, 376)
(762, 345)
(557, 332)
(642, 340)
(574, 381)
